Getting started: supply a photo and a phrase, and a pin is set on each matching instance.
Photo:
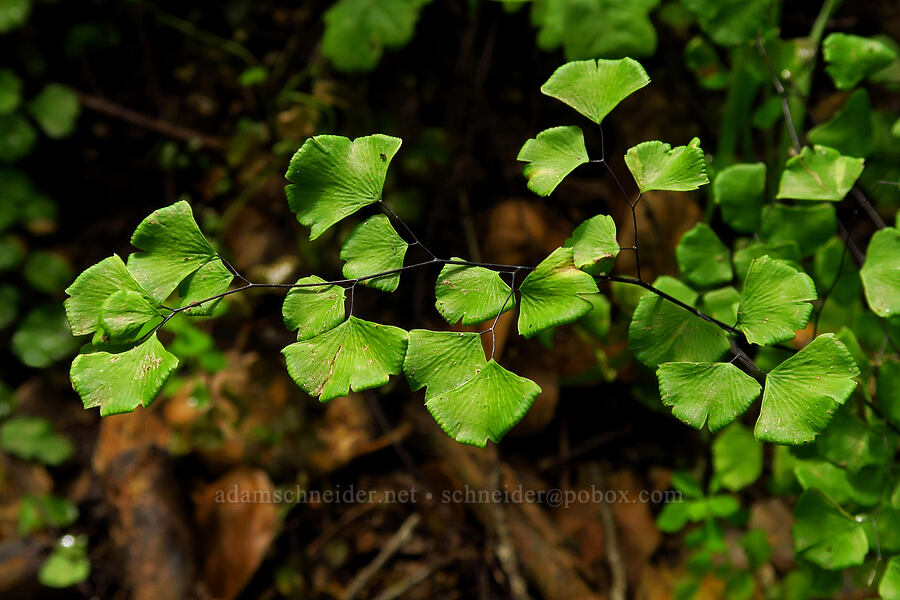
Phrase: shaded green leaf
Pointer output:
(552, 294)
(730, 22)
(473, 400)
(374, 247)
(33, 438)
(819, 173)
(91, 289)
(788, 252)
(888, 386)
(10, 91)
(13, 14)
(696, 391)
(881, 272)
(595, 245)
(737, 458)
(775, 301)
(836, 271)
(47, 272)
(471, 294)
(40, 512)
(702, 258)
(313, 310)
(119, 383)
(9, 305)
(825, 535)
(357, 355)
(661, 331)
(722, 305)
(594, 88)
(701, 57)
(358, 31)
(595, 28)
(17, 136)
(173, 248)
(552, 155)
(851, 58)
(333, 177)
(43, 337)
(55, 109)
(658, 166)
(808, 226)
(802, 393)
(850, 130)
(740, 190)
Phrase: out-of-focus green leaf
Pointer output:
(55, 110)
(39, 512)
(13, 14)
(33, 438)
(730, 22)
(702, 258)
(850, 58)
(47, 272)
(67, 565)
(808, 226)
(849, 131)
(43, 337)
(10, 91)
(826, 535)
(17, 137)
(740, 190)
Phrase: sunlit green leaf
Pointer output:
(730, 22)
(552, 155)
(357, 355)
(881, 272)
(552, 294)
(55, 110)
(826, 535)
(10, 91)
(91, 289)
(33, 438)
(119, 383)
(173, 248)
(210, 280)
(819, 173)
(849, 131)
(473, 399)
(357, 31)
(658, 166)
(594, 88)
(808, 226)
(124, 314)
(17, 136)
(333, 177)
(702, 258)
(737, 458)
(595, 245)
(696, 391)
(471, 294)
(374, 247)
(850, 58)
(740, 190)
(775, 301)
(313, 310)
(802, 393)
